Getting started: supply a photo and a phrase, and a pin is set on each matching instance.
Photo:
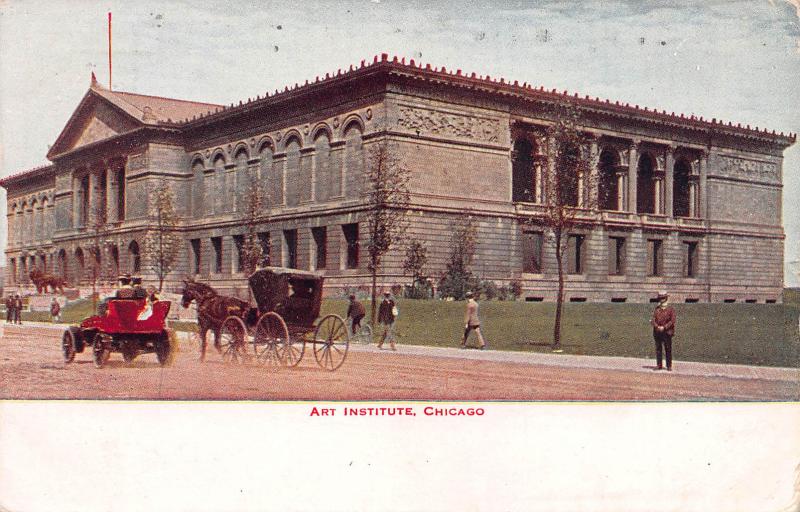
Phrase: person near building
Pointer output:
(18, 309)
(10, 308)
(55, 311)
(663, 323)
(355, 313)
(472, 322)
(387, 312)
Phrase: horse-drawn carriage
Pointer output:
(277, 330)
(132, 326)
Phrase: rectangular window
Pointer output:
(266, 246)
(13, 270)
(616, 256)
(690, 259)
(216, 243)
(84, 202)
(121, 194)
(290, 248)
(238, 242)
(575, 254)
(320, 236)
(532, 252)
(654, 257)
(196, 255)
(351, 241)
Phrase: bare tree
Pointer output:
(388, 197)
(568, 185)
(162, 242)
(252, 251)
(98, 231)
(414, 264)
(458, 279)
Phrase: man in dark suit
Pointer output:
(663, 329)
(386, 316)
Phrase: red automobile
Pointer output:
(129, 326)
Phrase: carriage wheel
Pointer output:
(331, 341)
(165, 346)
(232, 335)
(293, 350)
(68, 346)
(269, 339)
(100, 351)
(129, 351)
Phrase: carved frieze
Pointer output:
(433, 122)
(747, 169)
(136, 162)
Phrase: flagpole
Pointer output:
(109, 50)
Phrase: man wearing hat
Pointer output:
(355, 312)
(386, 316)
(663, 329)
(472, 322)
(125, 290)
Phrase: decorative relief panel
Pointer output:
(749, 169)
(426, 121)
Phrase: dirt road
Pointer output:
(31, 367)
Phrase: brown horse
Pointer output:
(213, 309)
(42, 281)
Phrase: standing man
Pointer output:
(663, 329)
(472, 322)
(18, 309)
(355, 312)
(55, 311)
(386, 315)
(10, 308)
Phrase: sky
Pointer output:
(731, 60)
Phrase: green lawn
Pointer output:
(758, 334)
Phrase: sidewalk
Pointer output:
(626, 364)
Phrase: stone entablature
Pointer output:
(667, 180)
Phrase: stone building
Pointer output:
(685, 204)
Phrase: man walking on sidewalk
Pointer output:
(386, 315)
(10, 308)
(472, 322)
(663, 329)
(55, 311)
(18, 309)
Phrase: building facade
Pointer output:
(682, 203)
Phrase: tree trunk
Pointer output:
(560, 297)
(374, 293)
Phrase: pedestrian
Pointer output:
(18, 309)
(55, 311)
(355, 313)
(472, 322)
(663, 329)
(10, 308)
(386, 316)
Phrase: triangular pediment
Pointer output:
(96, 119)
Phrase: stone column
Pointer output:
(112, 187)
(658, 193)
(702, 209)
(669, 181)
(633, 160)
(692, 196)
(77, 203)
(94, 196)
(622, 177)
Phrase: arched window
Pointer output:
(242, 178)
(645, 185)
(353, 161)
(114, 253)
(608, 184)
(23, 218)
(80, 266)
(680, 188)
(135, 257)
(199, 207)
(567, 183)
(34, 221)
(218, 189)
(271, 181)
(523, 182)
(62, 265)
(293, 172)
(322, 167)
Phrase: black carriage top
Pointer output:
(294, 294)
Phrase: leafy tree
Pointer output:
(414, 264)
(162, 242)
(458, 279)
(388, 197)
(252, 250)
(568, 168)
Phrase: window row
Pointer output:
(209, 255)
(576, 255)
